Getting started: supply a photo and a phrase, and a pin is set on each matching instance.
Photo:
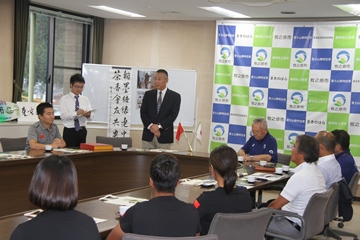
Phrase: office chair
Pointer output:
(132, 236)
(353, 187)
(116, 142)
(313, 220)
(284, 158)
(13, 144)
(331, 213)
(251, 225)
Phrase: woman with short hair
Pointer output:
(54, 189)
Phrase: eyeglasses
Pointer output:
(257, 131)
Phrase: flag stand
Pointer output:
(190, 150)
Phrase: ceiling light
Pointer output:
(117, 11)
(224, 12)
(353, 9)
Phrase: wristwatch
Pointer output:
(251, 157)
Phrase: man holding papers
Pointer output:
(163, 215)
(159, 109)
(75, 109)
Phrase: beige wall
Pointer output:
(7, 48)
(169, 45)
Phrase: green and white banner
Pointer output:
(300, 77)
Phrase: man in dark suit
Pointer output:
(159, 109)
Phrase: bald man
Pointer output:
(327, 162)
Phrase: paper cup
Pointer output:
(263, 163)
(48, 148)
(251, 179)
(279, 170)
(285, 168)
(240, 158)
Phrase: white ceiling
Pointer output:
(188, 9)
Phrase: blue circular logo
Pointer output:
(297, 98)
(339, 100)
(300, 56)
(225, 52)
(222, 92)
(261, 55)
(343, 57)
(219, 130)
(258, 95)
(292, 138)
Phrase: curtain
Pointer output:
(98, 40)
(20, 44)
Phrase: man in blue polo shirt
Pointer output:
(261, 145)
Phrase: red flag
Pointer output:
(179, 131)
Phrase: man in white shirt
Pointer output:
(327, 162)
(75, 109)
(306, 181)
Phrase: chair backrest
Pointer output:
(332, 206)
(13, 144)
(116, 142)
(353, 184)
(251, 225)
(284, 158)
(132, 236)
(314, 214)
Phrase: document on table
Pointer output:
(13, 156)
(264, 176)
(125, 201)
(198, 182)
(70, 150)
(99, 220)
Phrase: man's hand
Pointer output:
(154, 128)
(57, 143)
(87, 114)
(157, 134)
(80, 111)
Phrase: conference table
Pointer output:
(120, 173)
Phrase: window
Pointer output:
(58, 45)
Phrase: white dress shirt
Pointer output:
(68, 113)
(330, 168)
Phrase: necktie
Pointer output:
(76, 120)
(159, 100)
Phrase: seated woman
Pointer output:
(227, 198)
(54, 189)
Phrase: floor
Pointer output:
(353, 226)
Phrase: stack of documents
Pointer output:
(124, 201)
(198, 182)
(13, 156)
(70, 150)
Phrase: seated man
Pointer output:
(327, 163)
(164, 214)
(45, 131)
(343, 155)
(306, 181)
(261, 145)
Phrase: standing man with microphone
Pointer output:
(159, 109)
(75, 109)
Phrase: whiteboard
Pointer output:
(97, 90)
